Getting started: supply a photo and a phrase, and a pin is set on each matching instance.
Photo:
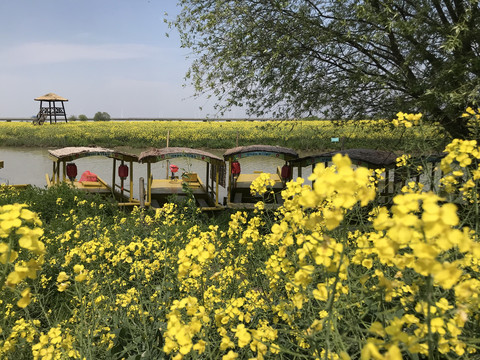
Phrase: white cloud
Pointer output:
(51, 52)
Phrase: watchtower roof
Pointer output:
(50, 97)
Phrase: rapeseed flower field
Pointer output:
(335, 273)
(297, 134)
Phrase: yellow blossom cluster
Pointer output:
(461, 168)
(197, 252)
(470, 112)
(337, 189)
(21, 251)
(407, 120)
(180, 334)
(55, 344)
(262, 185)
(22, 331)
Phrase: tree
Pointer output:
(82, 117)
(337, 58)
(101, 116)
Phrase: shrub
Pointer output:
(101, 116)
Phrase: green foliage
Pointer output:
(46, 203)
(72, 118)
(82, 117)
(101, 116)
(342, 59)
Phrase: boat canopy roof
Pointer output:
(373, 158)
(155, 155)
(260, 150)
(78, 152)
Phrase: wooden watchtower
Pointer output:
(49, 108)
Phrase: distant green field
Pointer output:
(299, 134)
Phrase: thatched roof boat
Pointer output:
(206, 194)
(259, 150)
(155, 155)
(90, 182)
(77, 152)
(368, 157)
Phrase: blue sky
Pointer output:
(102, 55)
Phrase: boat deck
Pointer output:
(163, 188)
(168, 186)
(241, 197)
(245, 180)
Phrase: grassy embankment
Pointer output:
(300, 135)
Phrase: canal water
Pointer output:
(31, 165)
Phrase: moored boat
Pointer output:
(65, 170)
(160, 190)
(393, 177)
(239, 194)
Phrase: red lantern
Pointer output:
(286, 172)
(123, 171)
(71, 171)
(235, 167)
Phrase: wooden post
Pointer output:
(216, 188)
(55, 112)
(121, 182)
(387, 182)
(168, 162)
(113, 176)
(64, 113)
(50, 110)
(149, 182)
(229, 187)
(207, 178)
(64, 169)
(58, 172)
(131, 181)
(53, 173)
(141, 191)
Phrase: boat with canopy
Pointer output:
(238, 191)
(161, 190)
(65, 170)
